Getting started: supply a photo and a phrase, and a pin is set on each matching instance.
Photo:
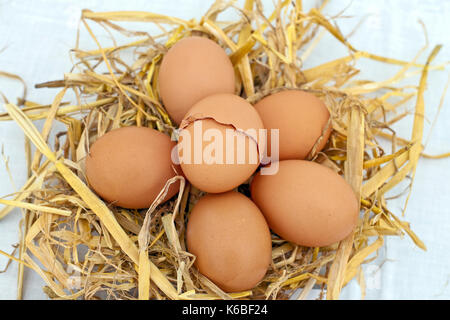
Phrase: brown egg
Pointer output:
(191, 70)
(306, 203)
(300, 117)
(219, 143)
(128, 167)
(230, 239)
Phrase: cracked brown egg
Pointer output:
(128, 167)
(219, 143)
(192, 69)
(230, 239)
(306, 203)
(301, 119)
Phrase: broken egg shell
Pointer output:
(220, 113)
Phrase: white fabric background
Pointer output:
(35, 39)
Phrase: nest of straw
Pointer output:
(84, 248)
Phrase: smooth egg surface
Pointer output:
(300, 117)
(306, 203)
(128, 167)
(230, 239)
(192, 69)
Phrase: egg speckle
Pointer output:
(194, 68)
(128, 167)
(230, 239)
(306, 203)
(300, 117)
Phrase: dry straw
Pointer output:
(84, 248)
